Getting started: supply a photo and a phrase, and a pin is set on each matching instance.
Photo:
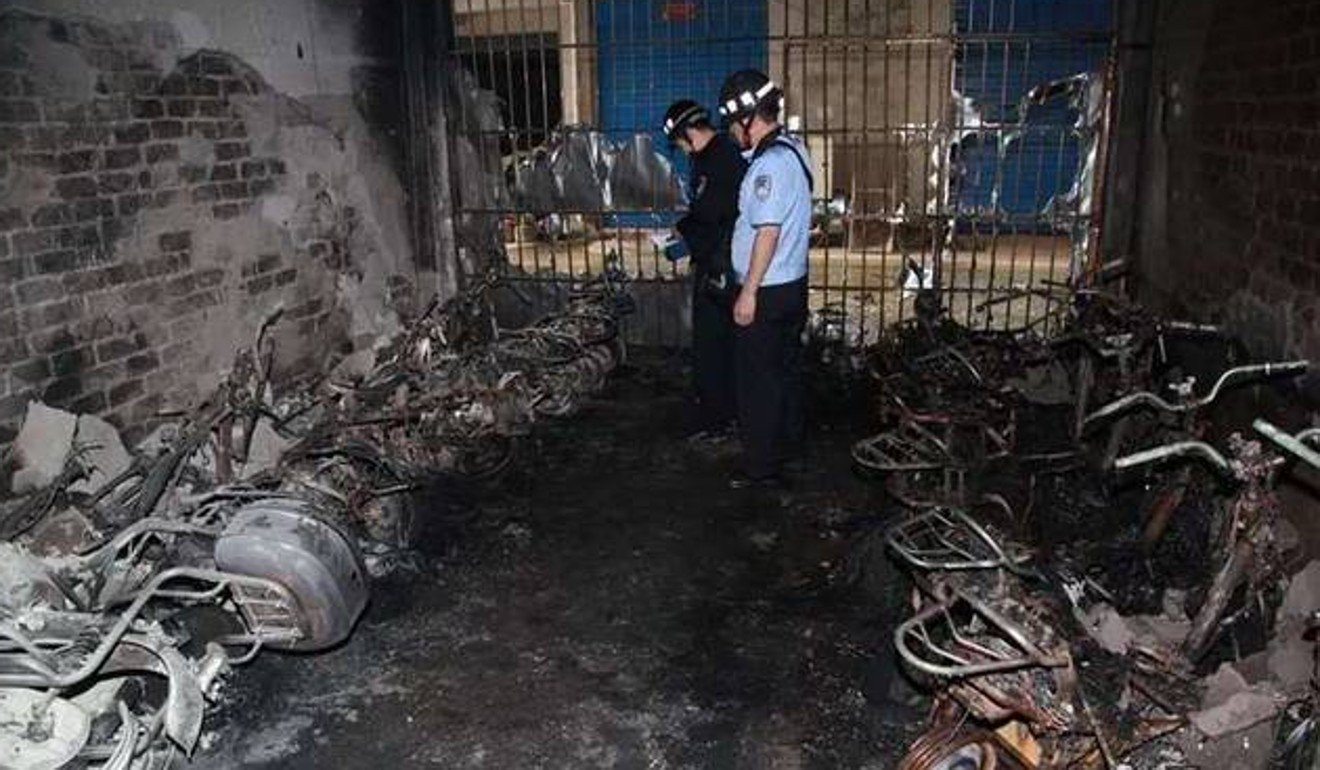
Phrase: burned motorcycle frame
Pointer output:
(211, 558)
(1245, 554)
(439, 408)
(270, 568)
(992, 635)
(200, 573)
(954, 416)
(1185, 410)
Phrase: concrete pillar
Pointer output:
(576, 62)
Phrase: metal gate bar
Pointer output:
(927, 149)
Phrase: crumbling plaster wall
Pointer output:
(1229, 207)
(171, 174)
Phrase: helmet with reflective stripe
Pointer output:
(681, 114)
(744, 91)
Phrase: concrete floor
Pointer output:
(611, 605)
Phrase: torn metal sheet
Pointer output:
(184, 706)
(534, 183)
(475, 113)
(580, 166)
(585, 170)
(966, 127)
(964, 123)
(642, 178)
(1087, 94)
(477, 182)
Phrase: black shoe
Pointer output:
(795, 464)
(713, 434)
(699, 436)
(740, 480)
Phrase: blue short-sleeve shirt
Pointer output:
(775, 191)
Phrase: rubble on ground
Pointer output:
(43, 443)
(1099, 582)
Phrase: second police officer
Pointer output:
(770, 247)
(707, 229)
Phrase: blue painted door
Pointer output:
(653, 52)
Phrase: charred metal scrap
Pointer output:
(243, 525)
(970, 129)
(1093, 594)
(455, 393)
(173, 567)
(584, 170)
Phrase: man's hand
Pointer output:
(744, 308)
(763, 251)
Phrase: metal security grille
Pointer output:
(956, 143)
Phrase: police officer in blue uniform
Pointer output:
(707, 229)
(770, 241)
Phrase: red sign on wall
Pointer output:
(679, 11)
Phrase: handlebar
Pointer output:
(1237, 373)
(1116, 344)
(1189, 327)
(1294, 445)
(1178, 449)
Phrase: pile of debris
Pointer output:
(1102, 572)
(132, 582)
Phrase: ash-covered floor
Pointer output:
(611, 604)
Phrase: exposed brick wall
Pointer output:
(128, 181)
(1232, 229)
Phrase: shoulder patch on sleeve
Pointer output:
(763, 186)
